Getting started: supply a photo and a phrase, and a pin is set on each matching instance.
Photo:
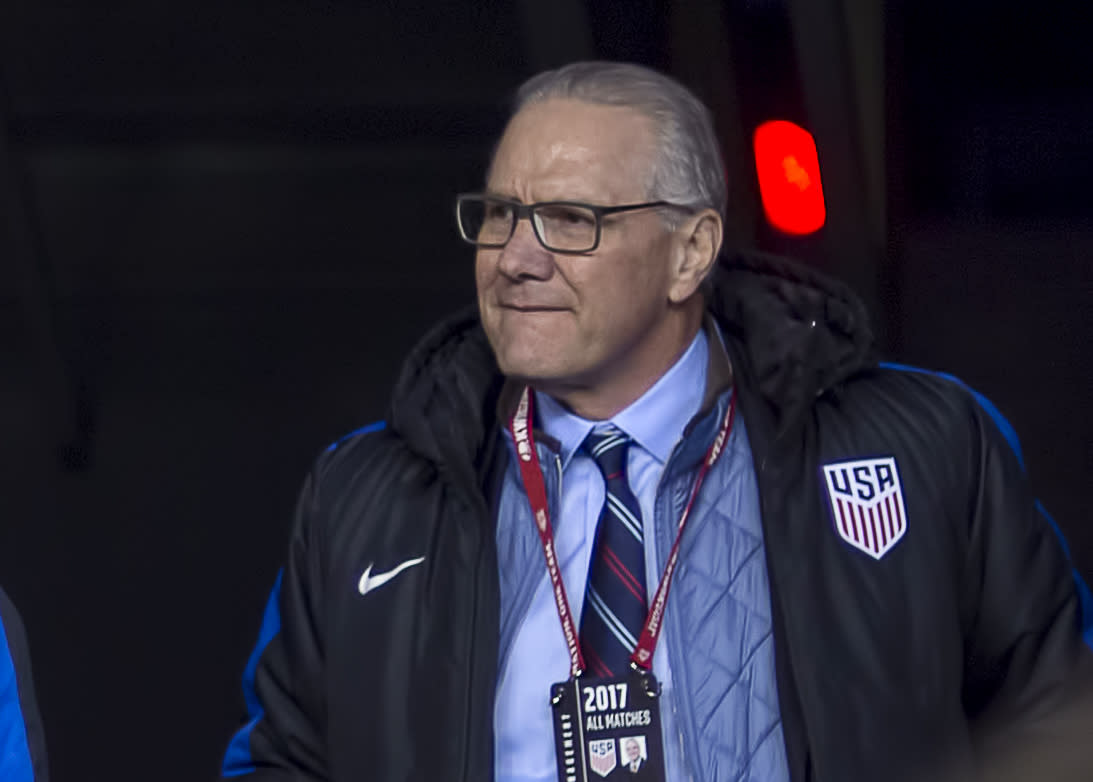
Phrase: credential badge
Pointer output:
(867, 503)
(601, 756)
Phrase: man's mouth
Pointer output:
(532, 307)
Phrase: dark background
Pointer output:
(223, 224)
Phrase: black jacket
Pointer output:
(967, 632)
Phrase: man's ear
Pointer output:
(697, 243)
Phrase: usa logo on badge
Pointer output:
(601, 756)
(867, 503)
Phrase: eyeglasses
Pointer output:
(560, 226)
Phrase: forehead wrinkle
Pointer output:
(582, 159)
(562, 172)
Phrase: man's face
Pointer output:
(564, 322)
(633, 751)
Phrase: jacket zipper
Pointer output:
(809, 770)
(470, 731)
(469, 720)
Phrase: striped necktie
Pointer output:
(615, 600)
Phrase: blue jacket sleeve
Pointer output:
(1029, 666)
(22, 742)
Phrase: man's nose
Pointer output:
(524, 256)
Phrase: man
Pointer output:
(863, 589)
(635, 763)
(22, 742)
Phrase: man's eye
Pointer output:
(497, 211)
(565, 215)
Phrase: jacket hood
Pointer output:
(795, 331)
(444, 401)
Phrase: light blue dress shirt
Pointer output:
(538, 657)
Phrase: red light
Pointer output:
(789, 177)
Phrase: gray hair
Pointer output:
(688, 169)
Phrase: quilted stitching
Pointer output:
(723, 599)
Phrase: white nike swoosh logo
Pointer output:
(370, 582)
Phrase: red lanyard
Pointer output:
(528, 459)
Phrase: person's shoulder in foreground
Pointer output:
(22, 742)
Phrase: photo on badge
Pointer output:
(633, 753)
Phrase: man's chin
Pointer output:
(530, 366)
(537, 376)
(529, 376)
(550, 373)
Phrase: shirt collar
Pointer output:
(655, 420)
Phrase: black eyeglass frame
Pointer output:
(523, 211)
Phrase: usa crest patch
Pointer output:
(601, 756)
(867, 503)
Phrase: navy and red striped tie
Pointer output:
(615, 599)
